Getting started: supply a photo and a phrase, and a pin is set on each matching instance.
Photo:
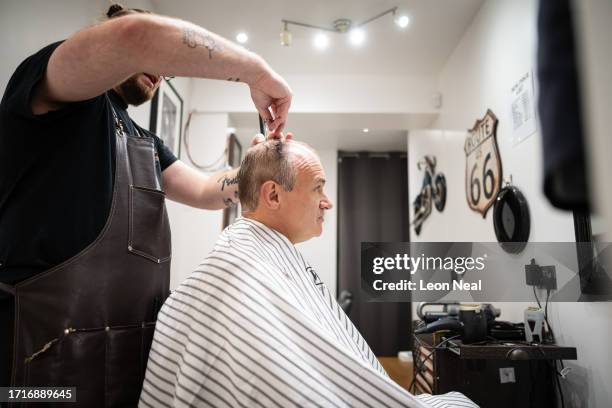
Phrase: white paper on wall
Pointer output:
(522, 108)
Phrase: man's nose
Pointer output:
(326, 204)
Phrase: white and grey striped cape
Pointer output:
(253, 326)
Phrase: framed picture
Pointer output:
(234, 157)
(166, 119)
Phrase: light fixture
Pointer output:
(402, 21)
(357, 36)
(366, 130)
(242, 38)
(321, 41)
(286, 36)
(341, 26)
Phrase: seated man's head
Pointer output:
(281, 185)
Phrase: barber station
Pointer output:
(332, 203)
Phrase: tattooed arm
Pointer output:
(100, 57)
(190, 187)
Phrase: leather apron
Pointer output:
(88, 322)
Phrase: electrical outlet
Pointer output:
(533, 274)
(506, 375)
(549, 278)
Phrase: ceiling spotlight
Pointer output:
(402, 21)
(366, 130)
(321, 41)
(242, 38)
(357, 36)
(285, 36)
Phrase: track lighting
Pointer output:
(356, 32)
(285, 36)
(357, 36)
(402, 21)
(321, 41)
(242, 38)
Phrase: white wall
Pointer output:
(321, 252)
(28, 25)
(194, 231)
(328, 93)
(496, 50)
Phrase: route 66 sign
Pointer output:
(483, 171)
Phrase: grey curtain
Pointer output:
(373, 206)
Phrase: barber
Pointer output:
(84, 233)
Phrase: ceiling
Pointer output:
(422, 48)
(342, 131)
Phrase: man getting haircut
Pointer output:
(254, 325)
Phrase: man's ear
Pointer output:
(268, 195)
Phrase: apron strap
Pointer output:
(7, 288)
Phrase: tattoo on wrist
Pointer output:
(226, 181)
(233, 79)
(194, 39)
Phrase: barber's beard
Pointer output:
(134, 92)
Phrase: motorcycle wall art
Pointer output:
(433, 189)
(483, 169)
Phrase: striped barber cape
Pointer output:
(254, 326)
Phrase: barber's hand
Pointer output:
(272, 98)
(259, 138)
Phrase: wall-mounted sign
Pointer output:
(433, 189)
(483, 169)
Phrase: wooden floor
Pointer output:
(399, 371)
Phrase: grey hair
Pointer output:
(271, 160)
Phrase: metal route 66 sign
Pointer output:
(483, 170)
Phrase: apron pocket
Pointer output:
(143, 164)
(74, 360)
(126, 361)
(148, 222)
(106, 365)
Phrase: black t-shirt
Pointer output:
(56, 173)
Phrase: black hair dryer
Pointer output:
(468, 320)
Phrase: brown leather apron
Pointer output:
(88, 322)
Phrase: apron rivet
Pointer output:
(66, 331)
(159, 261)
(107, 328)
(129, 247)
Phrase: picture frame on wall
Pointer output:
(166, 119)
(234, 157)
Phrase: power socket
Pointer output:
(533, 274)
(542, 277)
(548, 278)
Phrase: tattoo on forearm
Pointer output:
(226, 181)
(231, 203)
(233, 79)
(194, 39)
(228, 202)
